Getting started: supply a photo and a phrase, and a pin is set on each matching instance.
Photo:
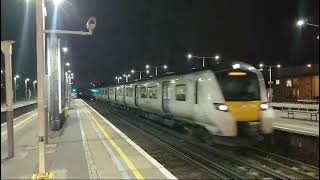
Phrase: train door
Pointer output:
(108, 94)
(136, 95)
(165, 97)
(196, 92)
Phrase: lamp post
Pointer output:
(34, 88)
(26, 86)
(302, 22)
(127, 77)
(15, 86)
(216, 57)
(40, 34)
(140, 73)
(118, 78)
(270, 77)
(156, 68)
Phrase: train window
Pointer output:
(129, 91)
(119, 91)
(144, 92)
(239, 88)
(181, 90)
(106, 92)
(153, 91)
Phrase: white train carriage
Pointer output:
(220, 101)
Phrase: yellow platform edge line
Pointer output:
(123, 156)
(19, 124)
(46, 176)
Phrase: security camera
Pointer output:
(91, 24)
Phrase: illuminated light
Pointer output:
(279, 66)
(69, 71)
(309, 65)
(237, 73)
(189, 56)
(251, 68)
(147, 66)
(236, 66)
(67, 64)
(147, 71)
(132, 71)
(57, 2)
(300, 22)
(94, 90)
(261, 65)
(17, 76)
(1, 71)
(264, 106)
(65, 49)
(217, 57)
(221, 107)
(173, 81)
(200, 79)
(165, 66)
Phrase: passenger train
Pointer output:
(223, 99)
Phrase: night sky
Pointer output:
(132, 33)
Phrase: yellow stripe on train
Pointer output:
(245, 110)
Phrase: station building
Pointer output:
(296, 84)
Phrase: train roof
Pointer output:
(215, 68)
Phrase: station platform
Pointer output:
(88, 147)
(300, 125)
(18, 104)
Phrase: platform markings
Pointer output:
(113, 156)
(91, 165)
(4, 124)
(161, 168)
(19, 124)
(123, 156)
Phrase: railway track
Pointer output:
(228, 165)
(182, 165)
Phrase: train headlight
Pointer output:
(264, 106)
(221, 107)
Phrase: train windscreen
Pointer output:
(239, 85)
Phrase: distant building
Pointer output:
(296, 84)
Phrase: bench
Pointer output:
(313, 113)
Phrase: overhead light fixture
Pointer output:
(236, 66)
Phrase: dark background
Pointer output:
(132, 33)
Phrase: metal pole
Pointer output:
(202, 61)
(156, 71)
(140, 75)
(126, 78)
(34, 89)
(270, 80)
(6, 48)
(26, 88)
(15, 89)
(40, 77)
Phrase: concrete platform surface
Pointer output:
(18, 104)
(88, 147)
(300, 125)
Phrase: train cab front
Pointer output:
(246, 101)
